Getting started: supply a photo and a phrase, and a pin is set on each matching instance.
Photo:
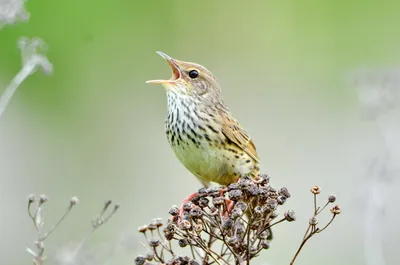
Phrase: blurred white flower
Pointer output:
(12, 11)
(379, 94)
(33, 54)
(378, 90)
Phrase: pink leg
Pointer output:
(186, 200)
(229, 203)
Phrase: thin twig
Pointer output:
(301, 246)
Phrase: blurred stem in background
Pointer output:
(379, 94)
(32, 59)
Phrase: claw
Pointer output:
(179, 217)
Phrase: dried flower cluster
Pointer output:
(224, 226)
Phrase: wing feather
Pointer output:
(236, 134)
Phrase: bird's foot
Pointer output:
(229, 204)
(184, 204)
(187, 205)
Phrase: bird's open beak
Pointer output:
(176, 74)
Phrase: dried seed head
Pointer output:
(202, 191)
(272, 191)
(150, 256)
(157, 222)
(236, 212)
(107, 203)
(244, 182)
(140, 260)
(174, 211)
(315, 190)
(272, 204)
(185, 225)
(241, 205)
(196, 212)
(264, 235)
(154, 242)
(187, 206)
(259, 210)
(186, 216)
(217, 201)
(183, 242)
(43, 198)
(313, 221)
(235, 195)
(284, 192)
(227, 224)
(332, 198)
(31, 198)
(152, 227)
(203, 202)
(281, 200)
(290, 216)
(233, 186)
(265, 244)
(74, 201)
(262, 192)
(336, 209)
(142, 229)
(265, 178)
(213, 192)
(171, 226)
(252, 189)
(169, 235)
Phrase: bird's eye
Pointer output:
(193, 74)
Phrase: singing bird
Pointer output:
(202, 132)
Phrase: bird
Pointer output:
(201, 130)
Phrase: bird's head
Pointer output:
(189, 79)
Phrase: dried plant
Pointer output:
(227, 225)
(37, 219)
(313, 228)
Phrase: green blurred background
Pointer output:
(94, 129)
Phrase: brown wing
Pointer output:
(235, 133)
